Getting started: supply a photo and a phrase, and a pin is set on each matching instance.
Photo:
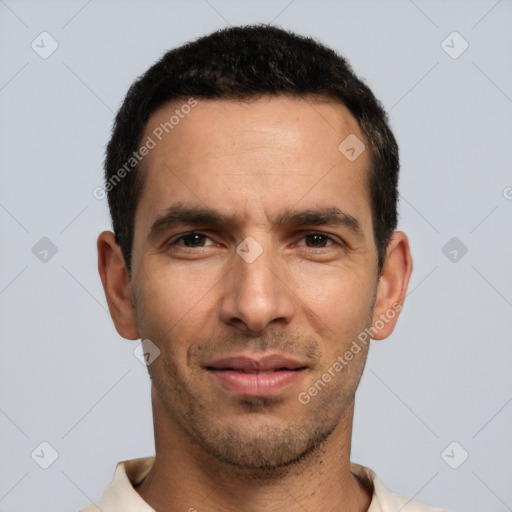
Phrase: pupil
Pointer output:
(193, 240)
(316, 240)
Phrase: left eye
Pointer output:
(317, 240)
(191, 240)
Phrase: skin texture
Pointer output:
(305, 296)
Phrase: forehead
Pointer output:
(262, 155)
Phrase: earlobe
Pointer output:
(117, 286)
(392, 286)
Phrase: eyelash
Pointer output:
(334, 241)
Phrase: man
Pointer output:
(252, 183)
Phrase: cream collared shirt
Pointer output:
(120, 495)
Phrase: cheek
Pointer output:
(341, 298)
(174, 301)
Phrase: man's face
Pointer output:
(263, 272)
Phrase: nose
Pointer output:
(256, 295)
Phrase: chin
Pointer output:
(263, 445)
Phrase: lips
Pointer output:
(245, 364)
(256, 376)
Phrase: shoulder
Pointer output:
(120, 495)
(384, 500)
(387, 501)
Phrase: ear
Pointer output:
(392, 286)
(117, 286)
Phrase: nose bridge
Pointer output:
(256, 295)
(254, 274)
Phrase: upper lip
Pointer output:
(249, 364)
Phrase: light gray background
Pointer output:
(70, 380)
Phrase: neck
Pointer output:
(185, 476)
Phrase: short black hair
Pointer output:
(242, 63)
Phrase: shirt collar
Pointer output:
(121, 496)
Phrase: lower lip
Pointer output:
(257, 384)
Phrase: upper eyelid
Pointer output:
(332, 238)
(303, 234)
(175, 239)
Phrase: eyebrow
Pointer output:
(329, 216)
(180, 215)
